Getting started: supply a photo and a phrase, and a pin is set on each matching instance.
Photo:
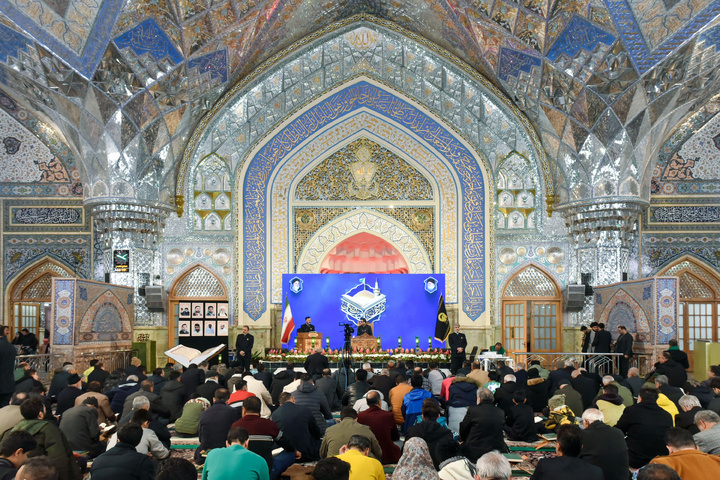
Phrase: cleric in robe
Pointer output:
(307, 327)
(364, 327)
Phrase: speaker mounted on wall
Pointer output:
(155, 298)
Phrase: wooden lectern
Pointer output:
(364, 341)
(305, 341)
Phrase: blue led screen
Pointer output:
(404, 305)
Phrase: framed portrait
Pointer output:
(197, 329)
(210, 310)
(197, 310)
(184, 310)
(184, 328)
(222, 328)
(222, 310)
(210, 328)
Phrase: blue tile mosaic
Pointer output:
(10, 43)
(579, 34)
(512, 62)
(215, 63)
(148, 37)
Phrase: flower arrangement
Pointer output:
(372, 355)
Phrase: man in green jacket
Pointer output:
(227, 463)
(51, 441)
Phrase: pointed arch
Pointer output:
(201, 281)
(531, 311)
(28, 287)
(699, 301)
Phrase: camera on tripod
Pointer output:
(348, 328)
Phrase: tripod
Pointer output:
(346, 358)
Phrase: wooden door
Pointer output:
(514, 326)
(544, 326)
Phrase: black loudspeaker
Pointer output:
(155, 298)
(107, 277)
(574, 298)
(625, 277)
(586, 279)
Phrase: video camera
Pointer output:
(348, 328)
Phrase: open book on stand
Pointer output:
(186, 355)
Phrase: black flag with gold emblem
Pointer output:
(442, 326)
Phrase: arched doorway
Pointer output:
(196, 284)
(699, 311)
(532, 312)
(28, 296)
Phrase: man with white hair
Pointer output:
(505, 393)
(689, 406)
(624, 392)
(493, 466)
(634, 381)
(316, 363)
(708, 439)
(368, 368)
(601, 443)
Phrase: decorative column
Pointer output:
(602, 234)
(134, 229)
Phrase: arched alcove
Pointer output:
(28, 295)
(532, 312)
(699, 308)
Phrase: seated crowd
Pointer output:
(259, 425)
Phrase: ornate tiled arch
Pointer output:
(474, 112)
(470, 169)
(380, 130)
(395, 233)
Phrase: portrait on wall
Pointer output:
(197, 329)
(210, 328)
(210, 311)
(296, 285)
(222, 328)
(184, 329)
(184, 310)
(222, 310)
(197, 310)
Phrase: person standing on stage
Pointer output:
(364, 327)
(457, 343)
(243, 346)
(308, 327)
(624, 345)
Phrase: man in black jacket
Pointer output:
(192, 378)
(207, 390)
(243, 347)
(328, 386)
(264, 376)
(676, 374)
(7, 366)
(173, 395)
(601, 443)
(644, 425)
(482, 428)
(624, 345)
(123, 461)
(429, 430)
(315, 363)
(299, 426)
(280, 381)
(356, 390)
(602, 340)
(566, 465)
(457, 343)
(14, 451)
(215, 423)
(678, 355)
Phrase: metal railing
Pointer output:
(111, 360)
(600, 363)
(45, 364)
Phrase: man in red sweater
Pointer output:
(260, 429)
(382, 424)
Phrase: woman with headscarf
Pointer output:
(415, 462)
